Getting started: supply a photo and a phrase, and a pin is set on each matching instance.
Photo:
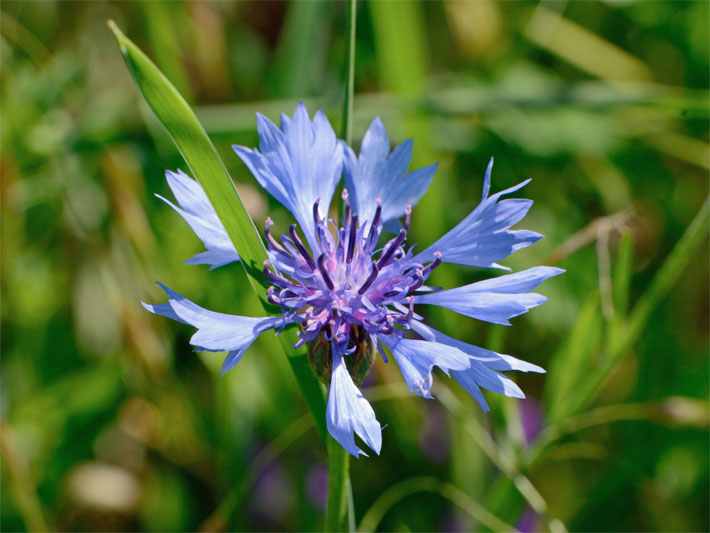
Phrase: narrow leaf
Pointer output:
(621, 279)
(571, 364)
(209, 170)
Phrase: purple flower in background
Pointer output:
(531, 418)
(317, 486)
(351, 290)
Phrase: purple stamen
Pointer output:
(276, 279)
(418, 281)
(407, 217)
(388, 328)
(436, 262)
(384, 260)
(351, 240)
(324, 272)
(270, 238)
(370, 280)
(316, 213)
(378, 213)
(431, 266)
(271, 296)
(374, 227)
(299, 245)
(405, 319)
(326, 301)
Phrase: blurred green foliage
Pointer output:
(111, 422)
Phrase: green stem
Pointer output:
(340, 513)
(351, 507)
(662, 282)
(21, 482)
(338, 481)
(347, 126)
(403, 489)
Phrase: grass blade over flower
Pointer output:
(198, 212)
(211, 174)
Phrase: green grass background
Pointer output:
(111, 422)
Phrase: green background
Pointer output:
(111, 422)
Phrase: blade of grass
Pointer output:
(570, 364)
(207, 167)
(398, 492)
(350, 20)
(667, 275)
(621, 278)
(673, 411)
(638, 318)
(301, 56)
(499, 457)
(621, 287)
(22, 484)
(199, 154)
(164, 43)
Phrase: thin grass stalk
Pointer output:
(638, 318)
(398, 492)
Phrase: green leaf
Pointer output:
(665, 278)
(204, 162)
(621, 278)
(164, 43)
(393, 495)
(571, 364)
(300, 59)
(630, 331)
(199, 154)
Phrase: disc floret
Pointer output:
(348, 283)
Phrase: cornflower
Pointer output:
(351, 296)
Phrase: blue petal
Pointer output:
(232, 359)
(417, 358)
(483, 365)
(198, 212)
(164, 310)
(378, 174)
(217, 332)
(497, 299)
(215, 258)
(491, 359)
(349, 412)
(483, 238)
(297, 164)
(482, 376)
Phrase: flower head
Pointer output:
(349, 288)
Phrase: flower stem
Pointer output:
(338, 482)
(347, 126)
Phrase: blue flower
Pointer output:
(198, 212)
(345, 283)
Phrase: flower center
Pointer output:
(348, 282)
